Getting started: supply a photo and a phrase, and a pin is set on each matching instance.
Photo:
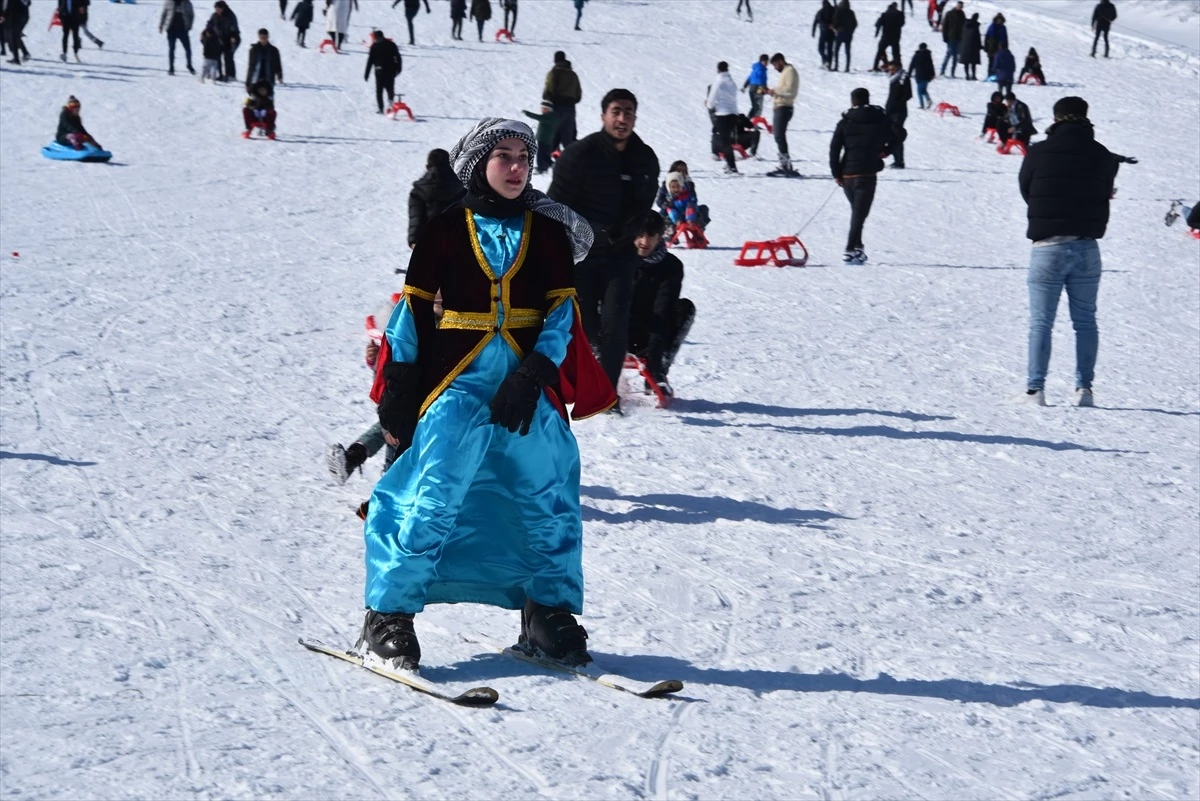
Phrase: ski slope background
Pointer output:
(876, 577)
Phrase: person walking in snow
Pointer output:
(481, 12)
(561, 88)
(411, 9)
(16, 16)
(225, 24)
(659, 318)
(263, 64)
(83, 25)
(610, 178)
(896, 108)
(784, 94)
(997, 35)
(920, 69)
(756, 84)
(1103, 16)
(845, 21)
(1004, 66)
(952, 29)
(822, 28)
(458, 12)
(210, 49)
(302, 16)
(1066, 182)
(510, 8)
(749, 13)
(176, 20)
(722, 103)
(437, 190)
(70, 15)
(483, 502)
(337, 19)
(888, 29)
(384, 58)
(969, 47)
(861, 140)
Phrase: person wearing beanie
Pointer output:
(1066, 182)
(384, 57)
(722, 104)
(70, 127)
(482, 504)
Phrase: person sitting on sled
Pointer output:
(996, 118)
(681, 201)
(658, 319)
(259, 110)
(482, 504)
(70, 127)
(1033, 66)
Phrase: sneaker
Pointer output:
(554, 634)
(1083, 397)
(1032, 397)
(389, 637)
(1172, 214)
(191, 69)
(171, 71)
(63, 58)
(854, 257)
(731, 170)
(344, 461)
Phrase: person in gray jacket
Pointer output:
(176, 20)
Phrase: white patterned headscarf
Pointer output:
(479, 141)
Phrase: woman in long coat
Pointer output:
(482, 506)
(337, 18)
(481, 12)
(969, 47)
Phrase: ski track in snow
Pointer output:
(875, 577)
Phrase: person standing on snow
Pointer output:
(756, 84)
(785, 92)
(411, 9)
(263, 64)
(562, 89)
(225, 23)
(862, 138)
(70, 16)
(578, 13)
(1004, 65)
(969, 47)
(458, 12)
(431, 194)
(952, 28)
(16, 17)
(509, 7)
(610, 178)
(176, 19)
(482, 504)
(337, 22)
(888, 29)
(481, 12)
(722, 103)
(1066, 181)
(844, 23)
(1103, 16)
(896, 108)
(921, 70)
(822, 28)
(997, 34)
(749, 13)
(384, 57)
(302, 15)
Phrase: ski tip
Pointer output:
(478, 696)
(668, 687)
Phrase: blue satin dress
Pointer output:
(472, 513)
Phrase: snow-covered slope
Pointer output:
(876, 578)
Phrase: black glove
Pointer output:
(516, 400)
(400, 403)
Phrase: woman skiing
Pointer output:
(482, 505)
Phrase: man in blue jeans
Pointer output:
(1066, 181)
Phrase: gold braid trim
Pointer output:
(413, 292)
(558, 297)
(468, 321)
(524, 318)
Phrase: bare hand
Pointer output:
(838, 181)
(390, 440)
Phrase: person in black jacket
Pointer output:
(264, 64)
(1033, 66)
(411, 9)
(176, 20)
(887, 29)
(1019, 118)
(384, 56)
(995, 117)
(16, 17)
(969, 47)
(71, 14)
(1066, 181)
(1103, 16)
(302, 15)
(434, 192)
(225, 23)
(952, 28)
(822, 28)
(844, 23)
(896, 108)
(861, 140)
(610, 178)
(659, 319)
(920, 69)
(564, 93)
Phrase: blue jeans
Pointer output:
(372, 439)
(951, 53)
(923, 93)
(1076, 266)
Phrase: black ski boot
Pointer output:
(390, 637)
(553, 634)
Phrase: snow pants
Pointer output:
(604, 286)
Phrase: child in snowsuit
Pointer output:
(210, 45)
(659, 319)
(70, 127)
(302, 15)
(663, 198)
(1033, 66)
(259, 110)
(681, 202)
(547, 127)
(996, 117)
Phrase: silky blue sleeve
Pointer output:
(556, 333)
(402, 333)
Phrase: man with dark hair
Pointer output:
(845, 21)
(264, 65)
(822, 28)
(896, 108)
(861, 139)
(785, 92)
(756, 83)
(722, 105)
(1020, 121)
(659, 319)
(384, 56)
(887, 30)
(1103, 16)
(952, 28)
(1066, 182)
(434, 192)
(225, 23)
(610, 178)
(563, 91)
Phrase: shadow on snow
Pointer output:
(677, 508)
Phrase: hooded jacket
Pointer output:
(952, 25)
(969, 46)
(722, 95)
(167, 19)
(562, 86)
(844, 20)
(888, 26)
(1067, 181)
(921, 66)
(434, 192)
(861, 139)
(1104, 15)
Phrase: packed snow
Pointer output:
(876, 577)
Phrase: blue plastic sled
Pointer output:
(67, 153)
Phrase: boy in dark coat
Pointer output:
(920, 69)
(996, 118)
(845, 21)
(1019, 119)
(861, 139)
(434, 192)
(659, 319)
(302, 15)
(384, 56)
(70, 127)
(264, 64)
(1103, 16)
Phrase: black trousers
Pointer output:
(565, 132)
(881, 58)
(384, 82)
(783, 115)
(408, 18)
(604, 285)
(479, 23)
(1100, 32)
(726, 131)
(230, 67)
(283, 9)
(70, 26)
(825, 46)
(513, 27)
(860, 191)
(658, 341)
(838, 41)
(898, 119)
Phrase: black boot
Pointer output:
(390, 637)
(553, 633)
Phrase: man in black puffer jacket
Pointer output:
(434, 192)
(610, 178)
(1066, 181)
(860, 141)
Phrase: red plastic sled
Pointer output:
(992, 135)
(258, 126)
(1033, 79)
(941, 109)
(773, 253)
(1194, 232)
(54, 20)
(1010, 146)
(636, 363)
(761, 122)
(505, 33)
(327, 43)
(691, 234)
(394, 112)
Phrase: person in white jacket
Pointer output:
(722, 105)
(785, 92)
(337, 19)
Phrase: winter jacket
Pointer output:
(434, 192)
(788, 87)
(656, 289)
(562, 86)
(664, 195)
(481, 10)
(302, 14)
(546, 129)
(823, 19)
(969, 46)
(210, 42)
(899, 93)
(757, 76)
(722, 95)
(384, 56)
(996, 117)
(1021, 121)
(921, 67)
(844, 20)
(1004, 65)
(1104, 15)
(1033, 66)
(862, 138)
(177, 16)
(458, 9)
(997, 34)
(952, 25)
(888, 26)
(264, 65)
(68, 123)
(225, 25)
(610, 188)
(1067, 181)
(681, 207)
(16, 17)
(337, 15)
(77, 12)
